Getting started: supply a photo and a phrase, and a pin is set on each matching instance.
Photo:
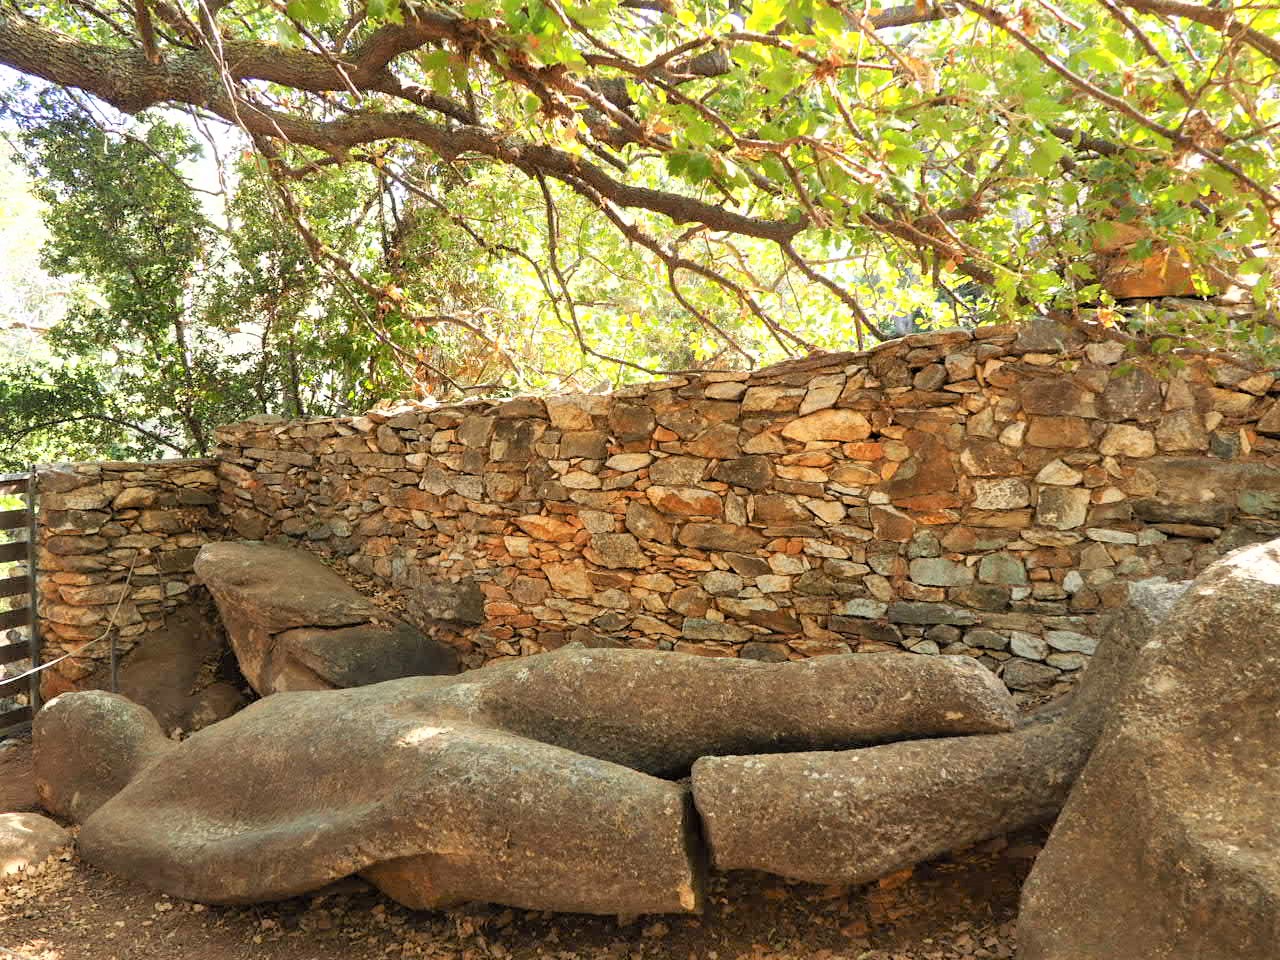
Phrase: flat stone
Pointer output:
(831, 425)
(1058, 432)
(755, 472)
(863, 607)
(1068, 640)
(618, 550)
(720, 536)
(721, 583)
(1057, 397)
(547, 528)
(772, 399)
(1124, 440)
(1063, 508)
(1026, 675)
(647, 523)
(940, 572)
(718, 442)
(1057, 473)
(678, 471)
(627, 462)
(1131, 395)
(1002, 568)
(685, 501)
(921, 612)
(280, 607)
(726, 390)
(892, 524)
(779, 508)
(1182, 430)
(986, 639)
(1269, 422)
(1028, 645)
(629, 421)
(695, 628)
(580, 444)
(572, 412)
(1007, 493)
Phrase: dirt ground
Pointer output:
(958, 908)
(961, 907)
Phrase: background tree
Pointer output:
(670, 183)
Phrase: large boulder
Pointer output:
(440, 789)
(850, 816)
(28, 840)
(1169, 847)
(295, 624)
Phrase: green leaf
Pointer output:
(765, 15)
(903, 158)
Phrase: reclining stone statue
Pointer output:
(534, 783)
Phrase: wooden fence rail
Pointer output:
(19, 583)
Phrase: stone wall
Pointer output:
(986, 494)
(117, 533)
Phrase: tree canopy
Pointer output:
(673, 183)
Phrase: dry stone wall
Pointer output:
(986, 494)
(116, 538)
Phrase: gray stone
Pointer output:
(698, 628)
(1063, 508)
(924, 543)
(940, 572)
(986, 639)
(864, 607)
(1028, 645)
(1026, 675)
(1008, 493)
(921, 612)
(1069, 640)
(1002, 568)
(752, 472)
(1133, 394)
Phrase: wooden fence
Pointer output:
(18, 596)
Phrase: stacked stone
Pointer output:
(984, 494)
(96, 522)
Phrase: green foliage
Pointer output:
(534, 192)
